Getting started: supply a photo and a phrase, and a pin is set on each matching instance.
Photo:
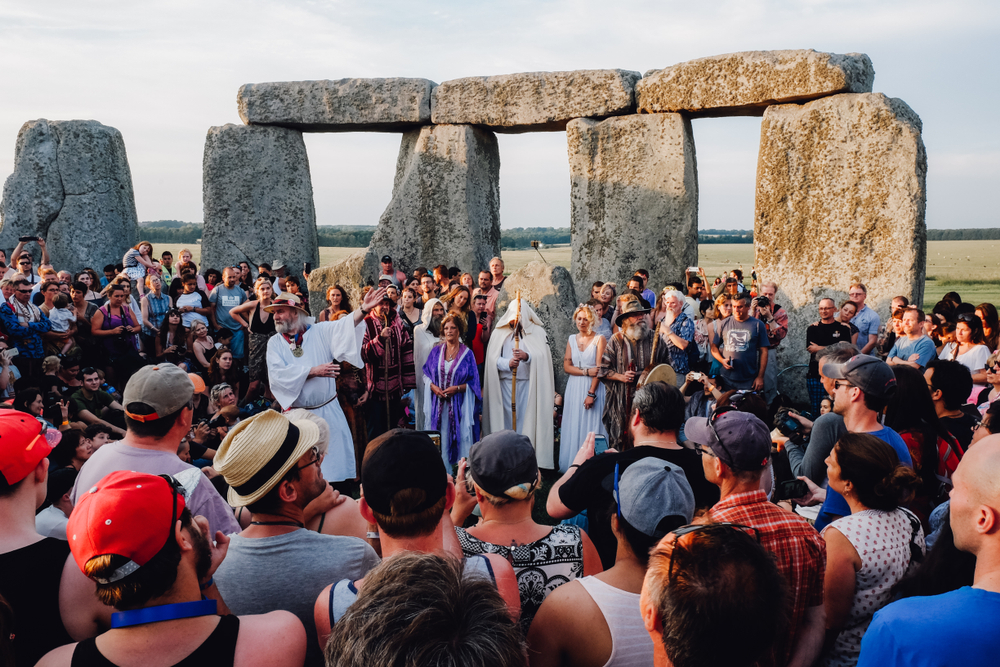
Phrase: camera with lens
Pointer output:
(763, 302)
(791, 428)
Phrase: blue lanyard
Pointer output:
(164, 612)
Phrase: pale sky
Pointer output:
(164, 72)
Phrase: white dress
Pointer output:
(577, 422)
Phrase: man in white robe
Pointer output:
(535, 382)
(303, 364)
(425, 337)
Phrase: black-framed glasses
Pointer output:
(705, 528)
(838, 383)
(711, 424)
(317, 457)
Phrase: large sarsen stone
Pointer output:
(344, 105)
(257, 198)
(72, 186)
(744, 84)
(634, 198)
(534, 101)
(445, 201)
(840, 198)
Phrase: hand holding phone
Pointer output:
(600, 444)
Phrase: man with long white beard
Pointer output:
(626, 355)
(303, 362)
(535, 392)
(426, 335)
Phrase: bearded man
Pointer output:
(303, 362)
(426, 335)
(626, 355)
(388, 353)
(535, 393)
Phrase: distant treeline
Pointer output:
(518, 238)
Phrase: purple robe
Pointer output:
(464, 371)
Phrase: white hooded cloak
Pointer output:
(423, 342)
(535, 394)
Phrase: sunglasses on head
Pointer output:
(708, 528)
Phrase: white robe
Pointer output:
(535, 396)
(322, 343)
(423, 342)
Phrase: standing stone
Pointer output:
(258, 198)
(634, 198)
(840, 198)
(549, 289)
(534, 101)
(72, 186)
(445, 204)
(345, 105)
(346, 273)
(744, 84)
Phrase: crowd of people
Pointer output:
(205, 467)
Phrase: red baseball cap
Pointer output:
(126, 514)
(22, 445)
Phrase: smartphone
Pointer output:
(600, 444)
(26, 239)
(793, 488)
(307, 267)
(12, 352)
(692, 269)
(697, 377)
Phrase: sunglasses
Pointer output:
(317, 457)
(707, 528)
(711, 423)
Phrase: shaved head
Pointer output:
(975, 500)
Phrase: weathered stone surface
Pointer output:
(634, 198)
(534, 101)
(550, 291)
(345, 105)
(257, 198)
(72, 186)
(840, 198)
(347, 273)
(745, 83)
(445, 201)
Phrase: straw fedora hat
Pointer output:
(286, 299)
(630, 306)
(258, 452)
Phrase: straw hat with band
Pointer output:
(286, 299)
(258, 452)
(631, 306)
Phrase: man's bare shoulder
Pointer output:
(277, 638)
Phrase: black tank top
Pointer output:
(219, 650)
(259, 327)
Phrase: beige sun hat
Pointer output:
(286, 299)
(257, 453)
(324, 429)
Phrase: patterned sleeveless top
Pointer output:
(540, 567)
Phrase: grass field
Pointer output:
(971, 268)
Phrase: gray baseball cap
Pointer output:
(869, 374)
(649, 491)
(745, 444)
(164, 387)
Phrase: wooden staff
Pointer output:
(388, 411)
(513, 375)
(652, 360)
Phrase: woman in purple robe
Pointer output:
(453, 398)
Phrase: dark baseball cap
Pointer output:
(386, 259)
(403, 459)
(745, 444)
(869, 374)
(504, 464)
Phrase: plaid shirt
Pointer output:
(799, 550)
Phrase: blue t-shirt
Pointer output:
(740, 342)
(835, 505)
(225, 299)
(867, 321)
(956, 629)
(923, 346)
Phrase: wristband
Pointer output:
(372, 535)
(575, 465)
(65, 422)
(591, 394)
(207, 584)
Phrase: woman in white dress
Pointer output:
(583, 403)
(969, 350)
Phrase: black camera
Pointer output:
(763, 302)
(790, 428)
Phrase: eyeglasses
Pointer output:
(24, 291)
(705, 452)
(707, 528)
(839, 383)
(711, 423)
(317, 457)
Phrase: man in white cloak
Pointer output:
(535, 382)
(425, 336)
(303, 362)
